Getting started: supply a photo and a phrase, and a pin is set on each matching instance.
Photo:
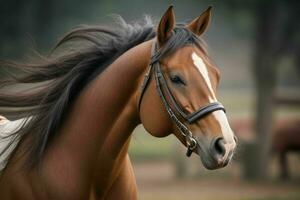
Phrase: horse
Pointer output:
(86, 100)
(286, 139)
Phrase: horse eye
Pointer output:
(177, 80)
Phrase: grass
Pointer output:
(146, 147)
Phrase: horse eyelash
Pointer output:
(180, 80)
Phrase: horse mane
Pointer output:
(50, 85)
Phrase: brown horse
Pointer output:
(79, 117)
(286, 139)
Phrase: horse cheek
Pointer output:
(153, 115)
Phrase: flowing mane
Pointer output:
(59, 78)
(69, 117)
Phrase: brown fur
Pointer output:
(286, 139)
(87, 157)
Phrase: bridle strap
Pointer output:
(211, 107)
(190, 118)
(191, 142)
(148, 74)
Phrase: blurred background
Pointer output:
(256, 46)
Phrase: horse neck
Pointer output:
(92, 117)
(112, 157)
(116, 144)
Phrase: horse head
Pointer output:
(179, 92)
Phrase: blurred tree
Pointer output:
(12, 24)
(38, 22)
(276, 34)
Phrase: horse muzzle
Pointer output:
(215, 154)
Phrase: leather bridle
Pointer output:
(154, 67)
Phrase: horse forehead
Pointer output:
(182, 57)
(191, 58)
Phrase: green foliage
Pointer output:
(147, 147)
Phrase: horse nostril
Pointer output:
(219, 146)
(235, 139)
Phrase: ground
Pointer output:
(156, 182)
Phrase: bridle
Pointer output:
(154, 67)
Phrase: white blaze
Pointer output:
(219, 114)
(225, 128)
(200, 65)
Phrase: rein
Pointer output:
(154, 67)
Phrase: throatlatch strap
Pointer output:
(191, 142)
(148, 74)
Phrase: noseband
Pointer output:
(154, 67)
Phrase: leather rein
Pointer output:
(154, 67)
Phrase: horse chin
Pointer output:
(208, 162)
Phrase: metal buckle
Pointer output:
(191, 145)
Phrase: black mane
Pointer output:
(58, 79)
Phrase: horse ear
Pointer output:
(199, 25)
(166, 26)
